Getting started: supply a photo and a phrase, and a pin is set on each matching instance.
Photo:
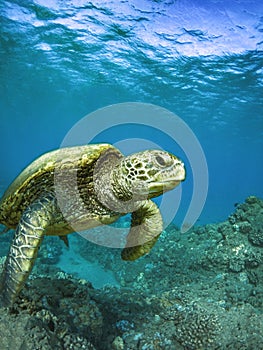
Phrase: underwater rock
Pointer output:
(256, 237)
(57, 314)
(118, 343)
(76, 343)
(198, 290)
(245, 227)
(248, 219)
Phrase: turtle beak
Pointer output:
(168, 183)
(180, 171)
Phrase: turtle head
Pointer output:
(147, 174)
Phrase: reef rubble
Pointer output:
(199, 290)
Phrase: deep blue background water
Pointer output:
(202, 60)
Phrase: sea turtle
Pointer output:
(76, 188)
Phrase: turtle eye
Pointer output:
(160, 160)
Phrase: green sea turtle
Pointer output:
(77, 188)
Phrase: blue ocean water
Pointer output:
(202, 60)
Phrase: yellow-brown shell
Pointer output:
(38, 178)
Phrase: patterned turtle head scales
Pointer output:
(146, 174)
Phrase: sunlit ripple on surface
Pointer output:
(180, 47)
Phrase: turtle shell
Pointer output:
(38, 178)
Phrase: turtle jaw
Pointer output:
(156, 188)
(163, 186)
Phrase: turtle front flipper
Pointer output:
(23, 251)
(146, 227)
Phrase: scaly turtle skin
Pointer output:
(77, 188)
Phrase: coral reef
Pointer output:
(195, 328)
(198, 290)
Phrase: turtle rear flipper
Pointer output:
(23, 251)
